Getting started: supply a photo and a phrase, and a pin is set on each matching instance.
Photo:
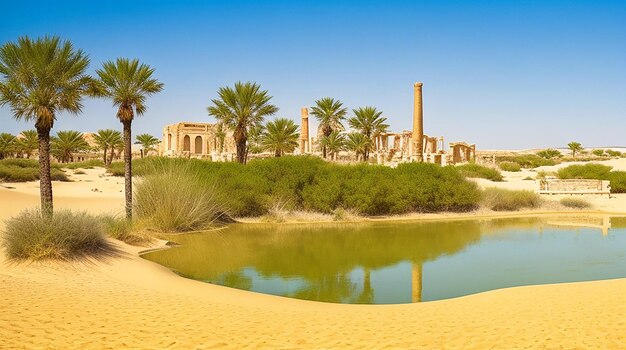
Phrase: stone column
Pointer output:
(418, 123)
(304, 131)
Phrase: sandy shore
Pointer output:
(127, 302)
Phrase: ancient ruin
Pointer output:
(198, 140)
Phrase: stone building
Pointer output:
(198, 140)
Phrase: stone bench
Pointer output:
(574, 186)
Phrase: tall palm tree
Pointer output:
(329, 113)
(241, 108)
(66, 143)
(41, 78)
(358, 143)
(368, 121)
(7, 145)
(255, 136)
(147, 142)
(334, 143)
(281, 136)
(28, 142)
(128, 83)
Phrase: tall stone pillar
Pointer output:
(418, 124)
(304, 131)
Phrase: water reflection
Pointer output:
(364, 263)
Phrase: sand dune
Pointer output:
(127, 302)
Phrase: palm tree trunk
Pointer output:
(104, 156)
(128, 170)
(241, 151)
(45, 182)
(111, 156)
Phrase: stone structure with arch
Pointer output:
(198, 140)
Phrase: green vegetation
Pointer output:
(528, 161)
(370, 123)
(309, 183)
(66, 143)
(598, 152)
(87, 164)
(596, 171)
(329, 113)
(333, 143)
(510, 166)
(148, 143)
(57, 82)
(508, 200)
(575, 203)
(23, 170)
(128, 84)
(575, 147)
(108, 140)
(358, 144)
(66, 235)
(280, 136)
(7, 145)
(241, 108)
(549, 153)
(124, 230)
(612, 153)
(175, 199)
(478, 171)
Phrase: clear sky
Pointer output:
(501, 74)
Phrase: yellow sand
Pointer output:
(127, 302)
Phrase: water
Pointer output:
(382, 263)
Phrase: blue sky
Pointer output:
(501, 74)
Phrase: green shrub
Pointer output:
(510, 166)
(585, 171)
(66, 235)
(528, 178)
(549, 153)
(88, 164)
(575, 203)
(528, 161)
(24, 170)
(124, 230)
(176, 200)
(598, 152)
(613, 153)
(509, 200)
(479, 171)
(618, 181)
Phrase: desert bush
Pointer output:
(509, 200)
(510, 166)
(598, 152)
(87, 164)
(585, 171)
(124, 230)
(66, 235)
(528, 161)
(613, 153)
(618, 181)
(575, 203)
(79, 172)
(549, 153)
(528, 178)
(23, 170)
(176, 200)
(479, 171)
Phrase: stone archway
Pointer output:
(186, 143)
(198, 145)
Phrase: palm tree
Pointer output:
(255, 136)
(104, 138)
(147, 143)
(280, 136)
(220, 133)
(41, 78)
(128, 83)
(334, 143)
(368, 121)
(27, 142)
(575, 147)
(329, 113)
(66, 143)
(358, 143)
(7, 145)
(240, 109)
